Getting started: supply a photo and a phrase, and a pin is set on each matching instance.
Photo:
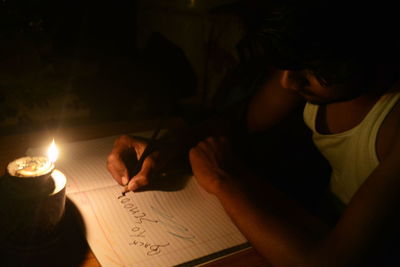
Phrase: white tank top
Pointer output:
(351, 154)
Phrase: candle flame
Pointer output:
(52, 152)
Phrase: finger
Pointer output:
(142, 178)
(115, 163)
(194, 154)
(117, 169)
(213, 144)
(125, 142)
(137, 182)
(207, 144)
(207, 150)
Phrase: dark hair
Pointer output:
(333, 39)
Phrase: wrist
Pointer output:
(226, 186)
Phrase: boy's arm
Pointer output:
(287, 235)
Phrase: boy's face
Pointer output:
(310, 87)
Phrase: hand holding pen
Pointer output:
(136, 153)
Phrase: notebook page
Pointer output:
(155, 228)
(84, 163)
(183, 224)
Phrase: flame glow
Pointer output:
(52, 152)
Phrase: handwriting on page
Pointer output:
(151, 228)
(160, 216)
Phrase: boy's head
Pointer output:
(336, 41)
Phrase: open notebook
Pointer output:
(177, 226)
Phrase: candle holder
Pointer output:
(32, 202)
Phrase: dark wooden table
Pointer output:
(71, 248)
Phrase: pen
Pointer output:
(147, 151)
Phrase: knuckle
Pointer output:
(111, 158)
(142, 181)
(122, 139)
(192, 153)
(110, 166)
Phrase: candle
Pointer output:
(32, 199)
(30, 167)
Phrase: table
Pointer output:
(73, 250)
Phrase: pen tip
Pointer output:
(126, 190)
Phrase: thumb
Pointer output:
(143, 176)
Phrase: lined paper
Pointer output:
(149, 228)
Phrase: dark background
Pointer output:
(66, 63)
(70, 62)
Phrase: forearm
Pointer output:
(280, 229)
